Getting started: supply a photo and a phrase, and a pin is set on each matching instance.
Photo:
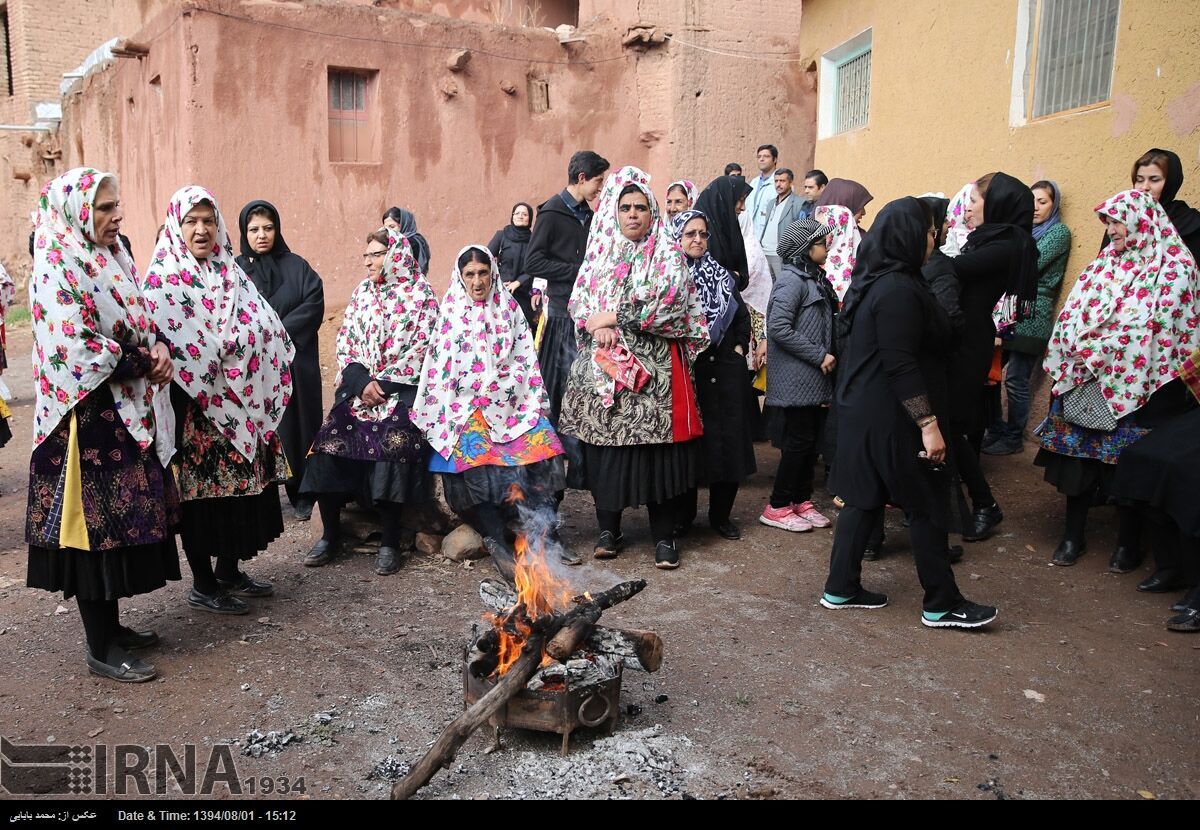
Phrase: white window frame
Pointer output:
(831, 61)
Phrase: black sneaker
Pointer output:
(666, 556)
(965, 615)
(607, 546)
(863, 599)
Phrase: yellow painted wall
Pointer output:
(941, 87)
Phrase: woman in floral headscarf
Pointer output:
(1123, 334)
(368, 447)
(482, 406)
(630, 397)
(681, 196)
(232, 383)
(101, 504)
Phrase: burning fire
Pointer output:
(539, 591)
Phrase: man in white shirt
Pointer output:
(762, 193)
(784, 210)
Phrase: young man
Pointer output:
(814, 186)
(783, 211)
(734, 169)
(555, 252)
(762, 193)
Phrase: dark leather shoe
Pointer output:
(121, 667)
(726, 530)
(303, 510)
(666, 556)
(1125, 560)
(387, 562)
(322, 553)
(1162, 582)
(217, 603)
(1068, 552)
(983, 523)
(872, 553)
(1188, 620)
(956, 554)
(129, 639)
(247, 586)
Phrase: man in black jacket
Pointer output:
(555, 252)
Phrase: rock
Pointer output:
(428, 543)
(459, 60)
(509, 87)
(448, 88)
(463, 543)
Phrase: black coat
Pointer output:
(982, 274)
(556, 251)
(509, 247)
(725, 399)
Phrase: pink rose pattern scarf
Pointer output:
(843, 246)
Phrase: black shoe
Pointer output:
(872, 552)
(955, 552)
(303, 510)
(666, 556)
(387, 562)
(1068, 552)
(1004, 447)
(247, 586)
(984, 523)
(129, 639)
(1187, 620)
(608, 546)
(725, 529)
(322, 553)
(219, 603)
(1124, 560)
(121, 667)
(682, 529)
(863, 599)
(965, 615)
(1162, 582)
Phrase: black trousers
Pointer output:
(721, 496)
(966, 460)
(930, 547)
(803, 427)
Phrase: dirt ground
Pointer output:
(1077, 691)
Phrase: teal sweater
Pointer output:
(1033, 334)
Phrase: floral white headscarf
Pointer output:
(843, 246)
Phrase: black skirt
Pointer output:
(631, 476)
(234, 527)
(368, 482)
(556, 355)
(104, 574)
(1075, 476)
(1163, 471)
(725, 397)
(490, 484)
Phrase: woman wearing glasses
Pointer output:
(368, 447)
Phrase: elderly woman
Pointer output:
(630, 396)
(368, 447)
(232, 383)
(482, 406)
(401, 221)
(722, 386)
(1116, 351)
(295, 291)
(101, 504)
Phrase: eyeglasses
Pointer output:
(373, 254)
(695, 235)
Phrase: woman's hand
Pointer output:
(372, 394)
(601, 320)
(512, 286)
(161, 370)
(760, 354)
(606, 338)
(828, 364)
(935, 447)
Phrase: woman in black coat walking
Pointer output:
(291, 287)
(508, 247)
(721, 389)
(890, 389)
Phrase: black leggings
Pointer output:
(100, 625)
(390, 514)
(721, 496)
(205, 576)
(662, 520)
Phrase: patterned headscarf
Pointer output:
(843, 248)
(798, 237)
(957, 229)
(231, 353)
(712, 280)
(86, 305)
(688, 187)
(647, 282)
(482, 358)
(388, 325)
(1130, 319)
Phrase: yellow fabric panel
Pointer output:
(4, 412)
(73, 531)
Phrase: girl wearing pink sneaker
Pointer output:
(800, 366)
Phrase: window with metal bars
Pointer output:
(853, 103)
(352, 133)
(1072, 54)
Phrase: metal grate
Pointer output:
(1076, 44)
(853, 93)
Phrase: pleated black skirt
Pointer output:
(369, 482)
(631, 476)
(234, 527)
(1075, 476)
(104, 574)
(490, 484)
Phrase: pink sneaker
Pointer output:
(784, 519)
(811, 515)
